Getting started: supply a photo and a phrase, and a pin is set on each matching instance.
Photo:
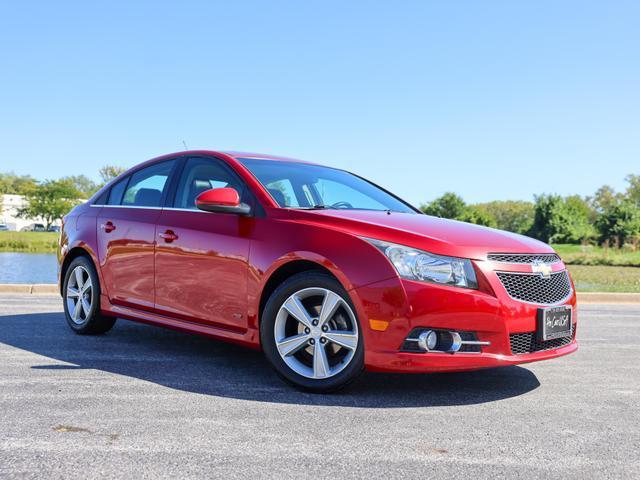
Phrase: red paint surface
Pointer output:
(205, 272)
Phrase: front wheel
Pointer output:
(311, 335)
(81, 298)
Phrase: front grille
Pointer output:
(528, 343)
(533, 288)
(523, 257)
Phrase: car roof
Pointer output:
(261, 156)
(235, 155)
(224, 153)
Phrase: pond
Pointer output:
(28, 267)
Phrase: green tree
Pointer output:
(633, 190)
(562, 220)
(448, 205)
(83, 184)
(478, 216)
(109, 172)
(604, 197)
(50, 201)
(13, 184)
(620, 223)
(453, 206)
(511, 215)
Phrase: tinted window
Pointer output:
(336, 193)
(301, 185)
(282, 192)
(145, 186)
(202, 174)
(102, 199)
(116, 192)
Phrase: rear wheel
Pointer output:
(81, 296)
(311, 335)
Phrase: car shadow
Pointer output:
(200, 365)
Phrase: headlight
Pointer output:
(415, 264)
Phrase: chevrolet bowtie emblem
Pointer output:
(542, 268)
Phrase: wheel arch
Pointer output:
(74, 253)
(285, 271)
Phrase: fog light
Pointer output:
(428, 340)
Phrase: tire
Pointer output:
(81, 299)
(325, 351)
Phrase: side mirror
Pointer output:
(222, 200)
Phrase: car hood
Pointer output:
(435, 235)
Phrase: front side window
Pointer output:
(145, 186)
(282, 192)
(201, 174)
(301, 185)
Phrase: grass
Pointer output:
(29, 242)
(594, 255)
(590, 278)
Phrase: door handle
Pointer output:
(108, 227)
(168, 236)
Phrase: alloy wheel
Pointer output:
(316, 333)
(79, 295)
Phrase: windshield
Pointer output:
(304, 186)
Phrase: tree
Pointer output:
(604, 197)
(478, 216)
(452, 206)
(13, 184)
(562, 220)
(511, 215)
(448, 205)
(109, 172)
(633, 190)
(620, 223)
(83, 184)
(50, 201)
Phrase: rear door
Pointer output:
(201, 257)
(127, 235)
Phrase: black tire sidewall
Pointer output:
(93, 317)
(267, 335)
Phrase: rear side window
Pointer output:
(116, 192)
(145, 186)
(102, 199)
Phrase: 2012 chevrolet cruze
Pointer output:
(324, 271)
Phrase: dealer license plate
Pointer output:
(554, 322)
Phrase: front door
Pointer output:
(127, 235)
(202, 257)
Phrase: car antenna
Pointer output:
(185, 145)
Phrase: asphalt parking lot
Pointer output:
(144, 402)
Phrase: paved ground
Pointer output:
(144, 402)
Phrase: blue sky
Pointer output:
(492, 100)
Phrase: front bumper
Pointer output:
(403, 305)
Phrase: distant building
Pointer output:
(9, 205)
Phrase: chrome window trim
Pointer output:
(194, 210)
(126, 206)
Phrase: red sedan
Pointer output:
(324, 271)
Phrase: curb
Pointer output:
(608, 297)
(583, 297)
(33, 289)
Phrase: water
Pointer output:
(28, 267)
